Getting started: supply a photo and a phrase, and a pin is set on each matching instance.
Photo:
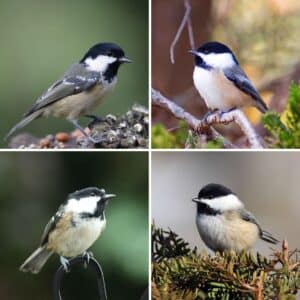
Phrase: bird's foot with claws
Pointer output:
(65, 263)
(87, 255)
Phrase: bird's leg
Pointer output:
(95, 118)
(222, 112)
(65, 263)
(207, 114)
(87, 256)
(77, 126)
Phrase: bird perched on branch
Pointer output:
(81, 89)
(221, 82)
(224, 223)
(72, 230)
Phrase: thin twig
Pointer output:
(199, 125)
(185, 21)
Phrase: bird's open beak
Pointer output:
(109, 196)
(125, 60)
(196, 200)
(194, 52)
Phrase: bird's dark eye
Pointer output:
(93, 194)
(109, 53)
(206, 51)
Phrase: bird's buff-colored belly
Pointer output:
(80, 104)
(227, 233)
(75, 240)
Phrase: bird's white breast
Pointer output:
(223, 232)
(217, 91)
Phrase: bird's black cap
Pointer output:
(214, 190)
(214, 47)
(109, 49)
(86, 192)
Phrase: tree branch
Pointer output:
(200, 126)
(185, 21)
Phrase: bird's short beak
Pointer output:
(196, 200)
(109, 196)
(194, 52)
(125, 60)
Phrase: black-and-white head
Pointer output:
(217, 197)
(214, 55)
(105, 58)
(89, 200)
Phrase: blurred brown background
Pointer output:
(264, 35)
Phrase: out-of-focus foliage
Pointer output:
(285, 129)
(32, 187)
(181, 137)
(258, 40)
(162, 138)
(41, 39)
(188, 275)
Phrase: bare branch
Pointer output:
(200, 126)
(185, 21)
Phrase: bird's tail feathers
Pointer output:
(261, 106)
(26, 120)
(266, 236)
(36, 260)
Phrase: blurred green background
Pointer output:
(41, 39)
(32, 187)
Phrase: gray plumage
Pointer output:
(264, 235)
(236, 75)
(69, 84)
(36, 260)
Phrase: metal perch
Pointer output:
(92, 263)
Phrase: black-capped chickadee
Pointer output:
(220, 80)
(83, 87)
(72, 230)
(224, 223)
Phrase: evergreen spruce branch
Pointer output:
(193, 275)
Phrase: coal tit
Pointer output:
(83, 87)
(220, 80)
(72, 230)
(223, 222)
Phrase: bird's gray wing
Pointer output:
(247, 216)
(74, 81)
(237, 76)
(51, 225)
(264, 235)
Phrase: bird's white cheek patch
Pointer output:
(229, 202)
(218, 60)
(100, 63)
(87, 205)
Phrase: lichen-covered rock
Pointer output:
(127, 131)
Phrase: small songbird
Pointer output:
(72, 230)
(221, 82)
(223, 222)
(81, 89)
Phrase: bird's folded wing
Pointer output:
(68, 85)
(241, 81)
(247, 216)
(51, 226)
